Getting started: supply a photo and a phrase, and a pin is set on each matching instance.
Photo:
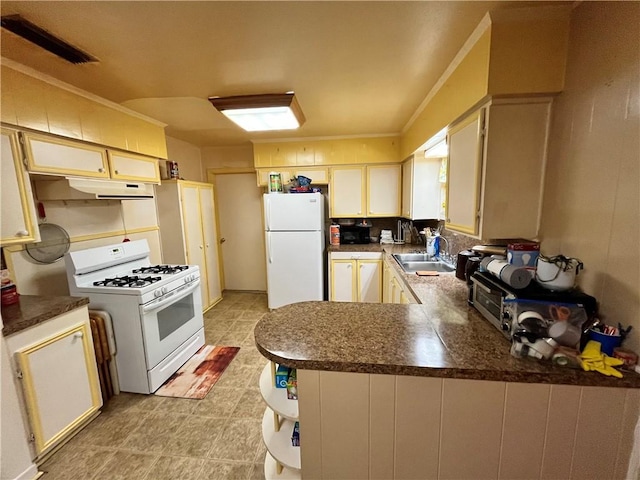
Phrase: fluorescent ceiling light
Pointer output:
(257, 113)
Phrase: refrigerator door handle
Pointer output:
(269, 247)
(268, 219)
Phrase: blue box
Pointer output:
(282, 376)
(524, 255)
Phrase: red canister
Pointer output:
(334, 234)
(9, 295)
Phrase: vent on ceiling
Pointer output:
(42, 38)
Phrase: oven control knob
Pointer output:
(505, 327)
(164, 290)
(157, 293)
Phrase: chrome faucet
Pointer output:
(446, 256)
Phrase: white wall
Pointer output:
(188, 157)
(592, 189)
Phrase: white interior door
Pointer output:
(240, 219)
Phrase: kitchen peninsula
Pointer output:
(431, 391)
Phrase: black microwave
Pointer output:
(354, 235)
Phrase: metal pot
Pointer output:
(558, 272)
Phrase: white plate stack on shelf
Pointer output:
(282, 460)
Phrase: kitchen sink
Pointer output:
(412, 262)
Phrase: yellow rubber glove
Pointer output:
(592, 359)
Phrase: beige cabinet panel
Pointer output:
(61, 157)
(63, 112)
(29, 100)
(465, 166)
(343, 281)
(384, 183)
(263, 175)
(378, 150)
(59, 377)
(7, 97)
(261, 155)
(283, 155)
(497, 158)
(305, 154)
(18, 219)
(194, 240)
(127, 166)
(370, 281)
(347, 192)
(329, 153)
(318, 176)
(421, 188)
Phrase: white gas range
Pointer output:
(156, 309)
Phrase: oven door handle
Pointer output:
(171, 297)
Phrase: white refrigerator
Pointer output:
(294, 242)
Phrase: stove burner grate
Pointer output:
(127, 281)
(162, 269)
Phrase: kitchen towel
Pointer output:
(198, 376)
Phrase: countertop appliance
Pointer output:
(489, 293)
(156, 309)
(294, 242)
(356, 234)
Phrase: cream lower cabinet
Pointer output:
(496, 169)
(394, 290)
(51, 155)
(18, 219)
(188, 232)
(56, 365)
(356, 277)
(371, 191)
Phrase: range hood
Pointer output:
(83, 189)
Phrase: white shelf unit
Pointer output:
(271, 470)
(282, 460)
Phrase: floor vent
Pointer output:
(42, 38)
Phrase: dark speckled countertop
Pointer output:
(443, 337)
(33, 309)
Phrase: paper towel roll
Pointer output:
(516, 277)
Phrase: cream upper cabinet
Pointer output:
(59, 377)
(263, 175)
(496, 164)
(421, 188)
(383, 190)
(18, 219)
(355, 277)
(186, 213)
(128, 166)
(347, 192)
(57, 156)
(318, 175)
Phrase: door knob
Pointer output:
(222, 240)
(78, 335)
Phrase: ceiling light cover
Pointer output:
(258, 113)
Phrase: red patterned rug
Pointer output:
(199, 374)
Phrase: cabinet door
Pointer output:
(194, 241)
(263, 176)
(396, 296)
(383, 190)
(210, 235)
(126, 166)
(407, 188)
(387, 292)
(61, 157)
(318, 176)
(18, 217)
(343, 280)
(426, 189)
(347, 192)
(369, 281)
(60, 384)
(465, 167)
(261, 155)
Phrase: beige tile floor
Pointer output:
(145, 437)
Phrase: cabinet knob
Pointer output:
(349, 266)
(116, 172)
(101, 170)
(22, 233)
(222, 240)
(78, 335)
(201, 247)
(359, 213)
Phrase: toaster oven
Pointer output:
(488, 295)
